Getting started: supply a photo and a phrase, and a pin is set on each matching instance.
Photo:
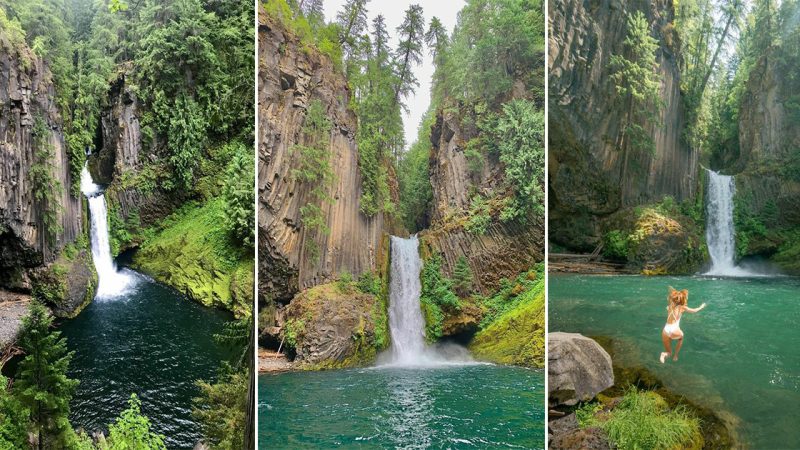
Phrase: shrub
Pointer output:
(643, 420)
(615, 245)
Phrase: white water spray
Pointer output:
(406, 324)
(720, 233)
(110, 282)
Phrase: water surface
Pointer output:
(457, 407)
(741, 355)
(151, 341)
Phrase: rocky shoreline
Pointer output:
(581, 370)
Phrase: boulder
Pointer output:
(578, 369)
(329, 326)
(592, 438)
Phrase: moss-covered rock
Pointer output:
(516, 337)
(68, 284)
(192, 252)
(333, 326)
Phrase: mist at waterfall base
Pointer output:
(406, 323)
(416, 397)
(138, 336)
(740, 354)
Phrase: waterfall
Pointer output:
(720, 234)
(110, 282)
(406, 323)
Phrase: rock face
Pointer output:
(331, 328)
(505, 249)
(584, 120)
(27, 96)
(289, 78)
(120, 155)
(578, 369)
(121, 145)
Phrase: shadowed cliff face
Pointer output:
(290, 77)
(584, 119)
(27, 94)
(505, 249)
(767, 187)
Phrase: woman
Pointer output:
(676, 306)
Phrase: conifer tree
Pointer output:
(42, 384)
(637, 81)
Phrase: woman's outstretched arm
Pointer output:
(694, 310)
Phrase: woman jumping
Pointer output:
(676, 306)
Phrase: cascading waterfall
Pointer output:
(720, 234)
(406, 324)
(110, 282)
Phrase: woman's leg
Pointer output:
(667, 345)
(678, 345)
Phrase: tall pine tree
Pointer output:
(42, 384)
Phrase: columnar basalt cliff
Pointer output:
(31, 246)
(289, 78)
(767, 187)
(584, 120)
(27, 95)
(505, 249)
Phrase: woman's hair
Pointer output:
(677, 298)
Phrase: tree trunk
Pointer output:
(716, 54)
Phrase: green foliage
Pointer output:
(748, 225)
(42, 384)
(292, 330)
(345, 282)
(462, 277)
(416, 192)
(512, 294)
(13, 417)
(238, 193)
(309, 26)
(514, 332)
(47, 189)
(49, 286)
(313, 166)
(493, 43)
(369, 283)
(437, 293)
(643, 420)
(221, 409)
(520, 141)
(479, 217)
(193, 251)
(615, 245)
(635, 74)
(131, 430)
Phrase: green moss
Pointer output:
(516, 336)
(192, 252)
(49, 285)
(643, 419)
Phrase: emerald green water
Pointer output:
(151, 341)
(468, 406)
(741, 355)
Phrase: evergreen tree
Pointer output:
(13, 419)
(42, 384)
(462, 277)
(131, 430)
(409, 51)
(637, 82)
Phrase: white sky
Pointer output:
(393, 11)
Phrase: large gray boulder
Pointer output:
(578, 369)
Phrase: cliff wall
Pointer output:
(585, 118)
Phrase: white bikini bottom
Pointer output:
(671, 328)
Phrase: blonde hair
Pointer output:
(677, 298)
